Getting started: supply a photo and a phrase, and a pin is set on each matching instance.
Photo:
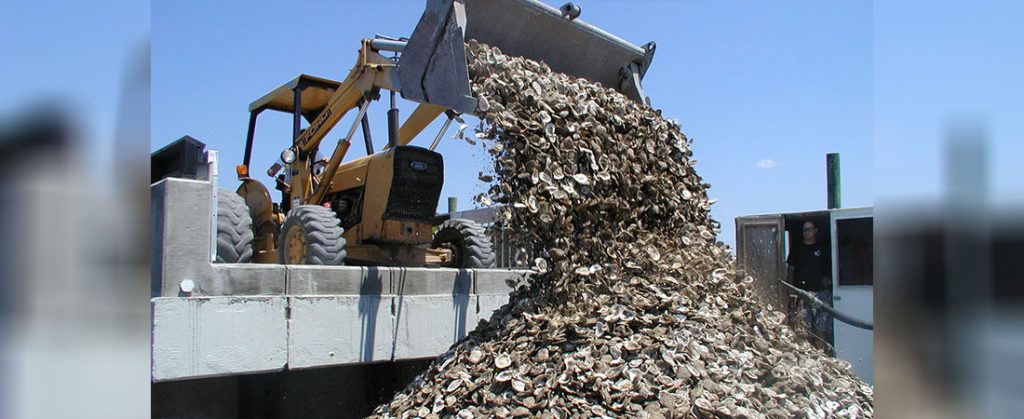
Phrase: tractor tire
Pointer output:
(470, 246)
(234, 228)
(311, 235)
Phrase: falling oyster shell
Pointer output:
(560, 195)
(482, 105)
(460, 133)
(540, 265)
(704, 405)
(546, 178)
(531, 204)
(544, 117)
(673, 333)
(556, 172)
(718, 275)
(653, 253)
(484, 200)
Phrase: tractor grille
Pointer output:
(416, 185)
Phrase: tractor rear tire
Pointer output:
(469, 243)
(311, 235)
(234, 228)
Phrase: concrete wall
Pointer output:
(214, 320)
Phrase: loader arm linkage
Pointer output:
(371, 73)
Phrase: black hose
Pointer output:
(845, 318)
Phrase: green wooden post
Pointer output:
(453, 204)
(832, 166)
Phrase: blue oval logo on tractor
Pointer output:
(418, 165)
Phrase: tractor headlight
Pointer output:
(288, 156)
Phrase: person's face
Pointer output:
(809, 231)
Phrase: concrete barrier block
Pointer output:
(487, 304)
(339, 280)
(213, 336)
(431, 281)
(181, 227)
(499, 281)
(427, 325)
(243, 279)
(339, 330)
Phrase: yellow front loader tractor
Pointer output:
(380, 209)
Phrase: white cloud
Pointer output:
(765, 164)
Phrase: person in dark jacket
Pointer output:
(809, 270)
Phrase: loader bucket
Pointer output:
(433, 64)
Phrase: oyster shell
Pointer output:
(635, 310)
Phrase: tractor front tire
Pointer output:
(470, 246)
(234, 228)
(311, 235)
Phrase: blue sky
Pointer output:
(784, 81)
(938, 64)
(74, 55)
(766, 90)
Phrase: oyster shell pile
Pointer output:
(636, 310)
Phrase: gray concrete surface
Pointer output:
(211, 336)
(338, 330)
(249, 318)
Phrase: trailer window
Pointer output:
(855, 244)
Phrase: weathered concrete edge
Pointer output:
(200, 337)
(318, 331)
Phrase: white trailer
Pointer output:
(763, 242)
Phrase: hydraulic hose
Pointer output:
(845, 318)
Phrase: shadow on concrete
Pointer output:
(460, 301)
(396, 307)
(369, 309)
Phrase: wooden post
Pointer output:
(832, 167)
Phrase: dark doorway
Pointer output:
(794, 235)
